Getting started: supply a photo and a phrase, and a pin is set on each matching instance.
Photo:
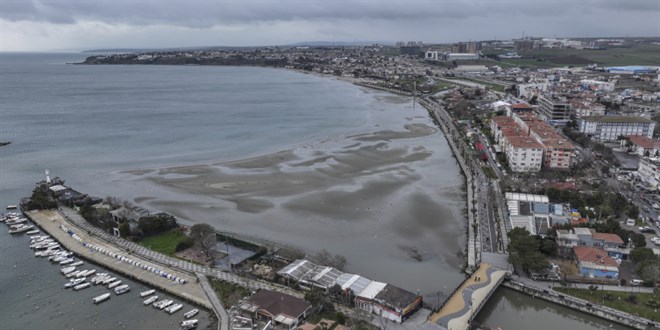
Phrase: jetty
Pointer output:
(51, 222)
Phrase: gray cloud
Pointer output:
(206, 13)
(30, 24)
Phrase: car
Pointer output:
(630, 222)
(636, 282)
(655, 206)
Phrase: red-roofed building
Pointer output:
(642, 145)
(524, 154)
(594, 262)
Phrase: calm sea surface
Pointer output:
(85, 122)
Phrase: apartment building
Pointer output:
(554, 109)
(523, 153)
(609, 128)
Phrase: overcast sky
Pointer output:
(41, 25)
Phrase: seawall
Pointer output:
(584, 306)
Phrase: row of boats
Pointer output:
(47, 247)
(18, 224)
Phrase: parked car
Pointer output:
(655, 206)
(631, 222)
(636, 282)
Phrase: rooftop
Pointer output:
(617, 119)
(643, 141)
(276, 303)
(527, 197)
(594, 257)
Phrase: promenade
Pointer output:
(465, 303)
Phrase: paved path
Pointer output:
(223, 318)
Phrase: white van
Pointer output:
(630, 222)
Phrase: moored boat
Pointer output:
(12, 207)
(82, 286)
(101, 298)
(122, 289)
(150, 300)
(67, 270)
(174, 308)
(33, 231)
(113, 284)
(191, 313)
(189, 324)
(146, 293)
(74, 282)
(20, 229)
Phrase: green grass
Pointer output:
(164, 243)
(490, 173)
(637, 55)
(229, 294)
(618, 301)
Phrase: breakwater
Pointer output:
(584, 306)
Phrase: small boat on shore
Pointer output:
(189, 324)
(146, 293)
(113, 284)
(191, 313)
(150, 300)
(101, 298)
(122, 289)
(11, 206)
(174, 308)
(82, 286)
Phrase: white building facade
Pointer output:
(609, 128)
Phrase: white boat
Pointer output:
(101, 298)
(150, 300)
(16, 221)
(82, 273)
(108, 280)
(90, 272)
(20, 229)
(147, 293)
(67, 261)
(174, 308)
(113, 284)
(189, 324)
(77, 263)
(122, 289)
(82, 286)
(67, 270)
(33, 231)
(74, 282)
(162, 304)
(191, 313)
(11, 207)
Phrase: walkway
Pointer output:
(467, 300)
(223, 318)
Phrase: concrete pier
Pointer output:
(50, 221)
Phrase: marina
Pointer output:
(101, 298)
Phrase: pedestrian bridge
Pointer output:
(464, 304)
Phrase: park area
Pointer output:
(643, 304)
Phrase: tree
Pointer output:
(325, 258)
(549, 247)
(640, 254)
(524, 250)
(632, 211)
(203, 235)
(124, 229)
(638, 239)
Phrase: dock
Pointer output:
(50, 221)
(467, 300)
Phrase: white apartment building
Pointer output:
(649, 171)
(609, 128)
(523, 153)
